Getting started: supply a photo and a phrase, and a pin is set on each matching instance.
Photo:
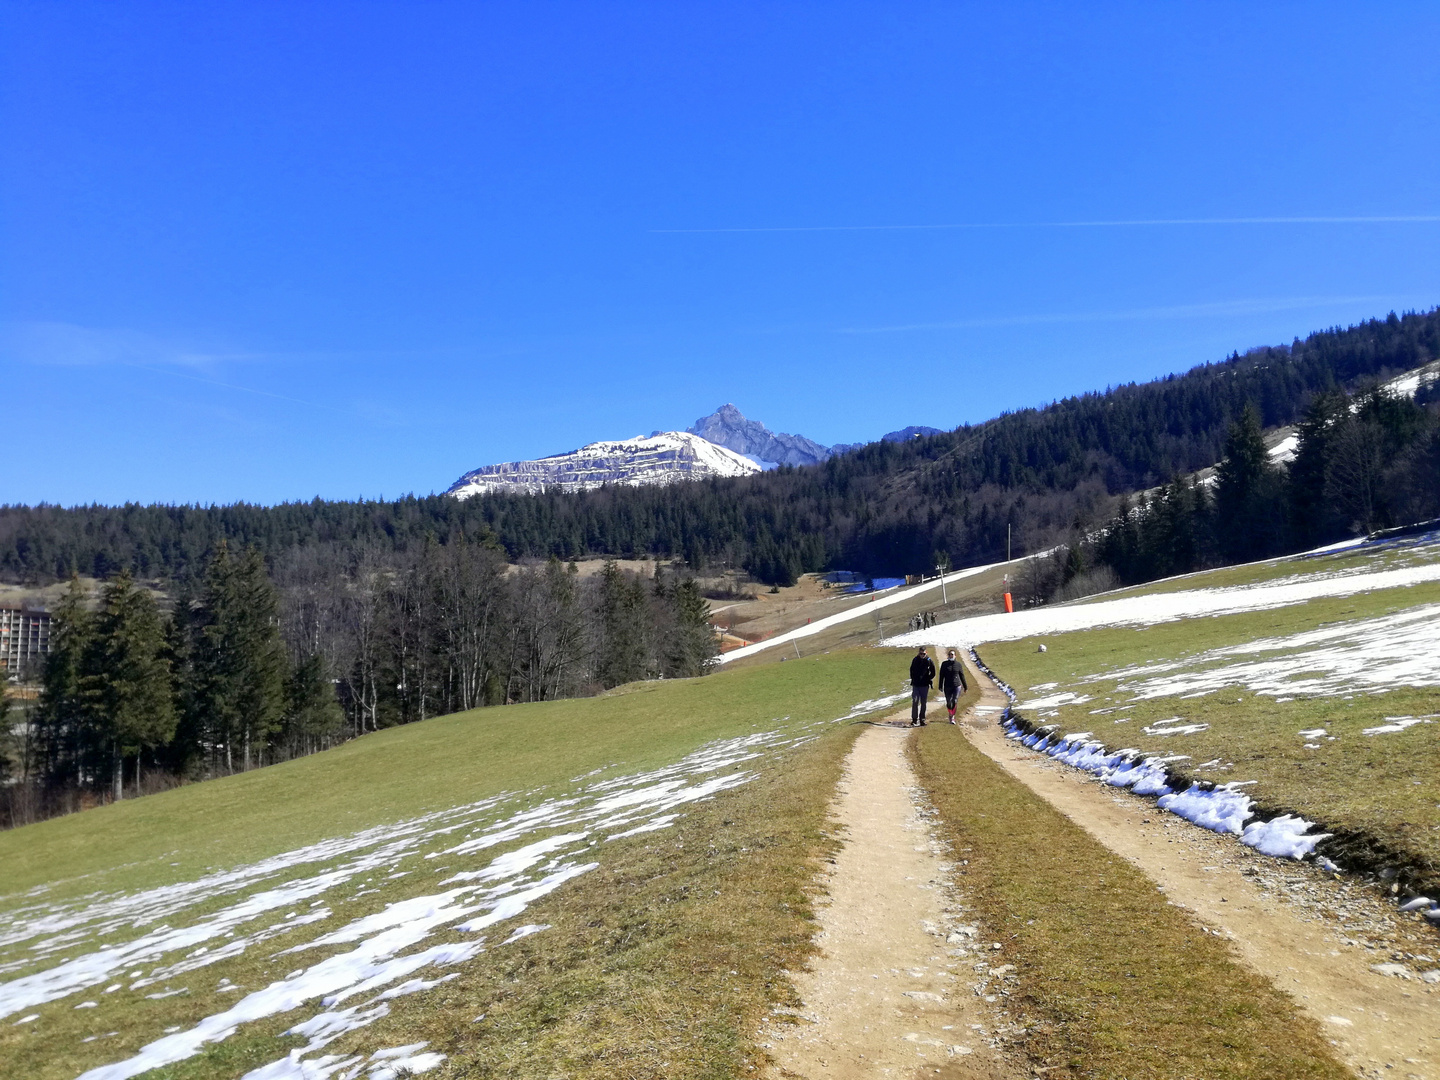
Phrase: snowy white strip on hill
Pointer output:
(150, 939)
(1149, 609)
(860, 611)
(1402, 649)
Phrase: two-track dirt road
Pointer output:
(891, 996)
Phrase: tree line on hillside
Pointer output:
(1362, 463)
(886, 508)
(246, 669)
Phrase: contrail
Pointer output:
(234, 386)
(1136, 223)
(1180, 311)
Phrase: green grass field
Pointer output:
(1257, 680)
(660, 960)
(716, 902)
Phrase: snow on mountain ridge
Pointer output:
(662, 458)
(727, 426)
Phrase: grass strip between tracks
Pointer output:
(1113, 980)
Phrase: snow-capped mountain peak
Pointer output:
(662, 458)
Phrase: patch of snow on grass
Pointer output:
(1054, 701)
(388, 947)
(1402, 649)
(1221, 810)
(1174, 726)
(1397, 723)
(1284, 837)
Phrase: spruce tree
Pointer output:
(692, 646)
(1313, 518)
(312, 714)
(1247, 493)
(238, 661)
(127, 682)
(61, 717)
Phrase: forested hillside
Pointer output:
(883, 508)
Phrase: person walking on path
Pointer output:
(952, 681)
(922, 674)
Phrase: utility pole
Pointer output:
(942, 566)
(1007, 541)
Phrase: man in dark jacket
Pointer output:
(952, 682)
(922, 674)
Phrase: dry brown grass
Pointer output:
(1114, 982)
(664, 963)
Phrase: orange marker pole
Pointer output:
(1009, 604)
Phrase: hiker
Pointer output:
(922, 673)
(952, 681)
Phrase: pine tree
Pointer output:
(1313, 518)
(1247, 493)
(61, 717)
(127, 682)
(313, 716)
(238, 668)
(692, 645)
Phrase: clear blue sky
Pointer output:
(265, 251)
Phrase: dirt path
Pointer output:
(1381, 1025)
(891, 994)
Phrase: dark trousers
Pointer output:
(919, 695)
(952, 694)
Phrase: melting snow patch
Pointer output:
(385, 950)
(1149, 609)
(1221, 809)
(1054, 701)
(1283, 837)
(1397, 723)
(1174, 726)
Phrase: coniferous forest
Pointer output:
(251, 665)
(291, 627)
(886, 508)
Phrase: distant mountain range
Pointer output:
(725, 443)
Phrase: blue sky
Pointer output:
(264, 251)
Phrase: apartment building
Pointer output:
(24, 638)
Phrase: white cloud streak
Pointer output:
(1221, 309)
(1395, 219)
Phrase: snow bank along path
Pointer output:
(1377, 1022)
(1159, 607)
(904, 592)
(1221, 808)
(1226, 808)
(92, 944)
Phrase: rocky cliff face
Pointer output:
(662, 458)
(728, 427)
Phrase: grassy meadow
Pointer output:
(657, 962)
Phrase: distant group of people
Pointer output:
(922, 678)
(923, 621)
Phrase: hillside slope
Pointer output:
(407, 882)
